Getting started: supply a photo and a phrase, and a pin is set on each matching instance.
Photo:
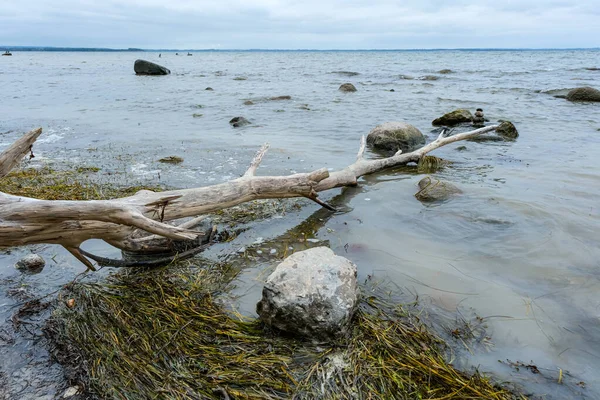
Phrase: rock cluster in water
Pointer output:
(143, 67)
(394, 136)
(584, 94)
(312, 293)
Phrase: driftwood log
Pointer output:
(139, 224)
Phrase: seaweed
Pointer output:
(164, 334)
(46, 183)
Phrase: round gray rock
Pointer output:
(394, 136)
(32, 263)
(347, 87)
(453, 118)
(313, 293)
(143, 67)
(432, 189)
(584, 94)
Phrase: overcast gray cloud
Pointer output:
(292, 24)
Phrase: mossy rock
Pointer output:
(347, 88)
(432, 190)
(584, 94)
(507, 130)
(453, 118)
(394, 136)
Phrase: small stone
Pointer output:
(32, 264)
(248, 103)
(347, 88)
(392, 90)
(238, 122)
(461, 148)
(70, 392)
(209, 88)
(445, 71)
(71, 303)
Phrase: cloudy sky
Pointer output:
(301, 24)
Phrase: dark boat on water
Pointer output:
(7, 53)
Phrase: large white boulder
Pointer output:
(313, 293)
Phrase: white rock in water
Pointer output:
(313, 293)
(31, 263)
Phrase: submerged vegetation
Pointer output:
(46, 183)
(164, 334)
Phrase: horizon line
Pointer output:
(134, 49)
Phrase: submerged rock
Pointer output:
(248, 103)
(313, 293)
(445, 71)
(171, 159)
(239, 121)
(394, 136)
(347, 88)
(31, 264)
(428, 78)
(584, 94)
(346, 73)
(454, 118)
(432, 189)
(143, 67)
(209, 89)
(277, 98)
(507, 130)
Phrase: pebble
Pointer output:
(70, 392)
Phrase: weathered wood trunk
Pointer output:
(119, 221)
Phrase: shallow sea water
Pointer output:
(518, 248)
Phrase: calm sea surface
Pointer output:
(519, 248)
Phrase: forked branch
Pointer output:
(69, 223)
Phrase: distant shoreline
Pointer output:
(100, 49)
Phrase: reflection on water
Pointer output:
(519, 246)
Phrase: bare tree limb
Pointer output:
(69, 223)
(19, 149)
